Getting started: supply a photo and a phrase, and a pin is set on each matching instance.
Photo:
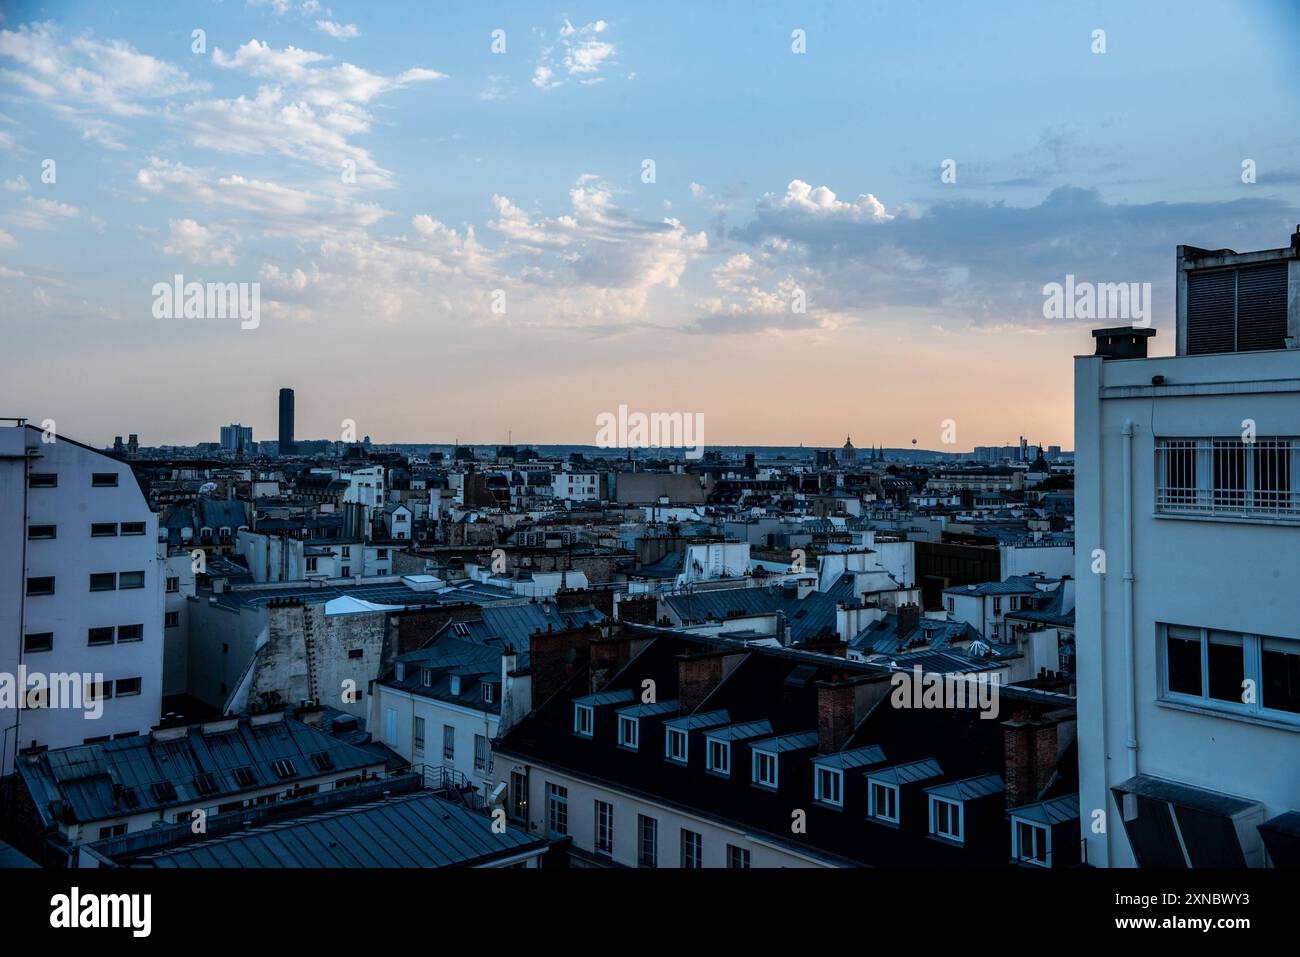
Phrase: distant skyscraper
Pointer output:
(236, 438)
(286, 422)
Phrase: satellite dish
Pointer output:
(914, 441)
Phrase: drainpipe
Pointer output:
(1130, 688)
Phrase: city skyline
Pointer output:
(362, 168)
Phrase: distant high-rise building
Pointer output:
(236, 438)
(286, 422)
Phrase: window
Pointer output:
(1228, 477)
(43, 480)
(205, 782)
(487, 692)
(737, 857)
(675, 746)
(629, 732)
(519, 795)
(828, 783)
(1031, 844)
(692, 850)
(103, 480)
(583, 720)
(718, 758)
(103, 529)
(448, 743)
(1232, 672)
(354, 653)
(130, 580)
(40, 586)
(100, 636)
(764, 768)
(347, 552)
(112, 830)
(103, 581)
(945, 818)
(127, 687)
(884, 802)
(604, 827)
(557, 810)
(345, 571)
(130, 633)
(480, 752)
(311, 564)
(460, 629)
(417, 734)
(244, 777)
(173, 585)
(133, 528)
(284, 769)
(997, 605)
(647, 840)
(38, 532)
(322, 761)
(38, 641)
(952, 605)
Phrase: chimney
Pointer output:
(555, 657)
(842, 703)
(909, 617)
(697, 676)
(608, 655)
(1122, 342)
(1029, 752)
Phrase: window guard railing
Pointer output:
(1228, 477)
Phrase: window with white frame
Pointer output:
(1031, 844)
(883, 804)
(647, 838)
(764, 768)
(675, 745)
(519, 795)
(1233, 672)
(829, 786)
(737, 857)
(604, 827)
(946, 818)
(584, 720)
(1229, 477)
(480, 753)
(718, 758)
(692, 849)
(629, 732)
(557, 810)
(417, 735)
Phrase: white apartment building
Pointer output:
(579, 486)
(81, 592)
(1188, 613)
(366, 487)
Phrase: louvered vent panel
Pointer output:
(1209, 312)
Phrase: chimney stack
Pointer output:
(909, 619)
(1122, 342)
(1029, 749)
(697, 676)
(842, 703)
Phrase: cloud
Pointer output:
(580, 53)
(7, 241)
(198, 244)
(42, 214)
(338, 31)
(16, 185)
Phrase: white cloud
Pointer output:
(821, 203)
(339, 31)
(198, 244)
(579, 54)
(42, 214)
(16, 185)
(7, 241)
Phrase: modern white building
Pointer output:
(81, 593)
(579, 486)
(1188, 612)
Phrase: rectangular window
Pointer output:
(692, 850)
(583, 720)
(1032, 844)
(945, 818)
(629, 732)
(884, 802)
(127, 687)
(480, 752)
(103, 581)
(1233, 672)
(130, 580)
(764, 769)
(38, 532)
(737, 857)
(829, 782)
(647, 840)
(103, 480)
(173, 585)
(604, 827)
(675, 746)
(284, 769)
(519, 795)
(448, 743)
(171, 619)
(417, 734)
(40, 585)
(43, 480)
(1251, 478)
(719, 757)
(557, 810)
(1280, 669)
(130, 633)
(103, 529)
(38, 641)
(133, 528)
(100, 636)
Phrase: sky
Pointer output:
(485, 221)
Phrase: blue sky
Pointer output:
(520, 174)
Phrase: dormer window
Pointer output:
(946, 818)
(828, 784)
(1031, 843)
(763, 768)
(584, 720)
(455, 684)
(487, 693)
(399, 670)
(426, 677)
(883, 802)
(718, 758)
(629, 732)
(675, 745)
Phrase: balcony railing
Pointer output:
(1229, 478)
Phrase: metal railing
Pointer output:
(1228, 478)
